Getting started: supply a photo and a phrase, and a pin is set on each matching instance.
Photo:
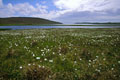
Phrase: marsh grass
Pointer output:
(60, 54)
(36, 72)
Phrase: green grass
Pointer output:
(60, 54)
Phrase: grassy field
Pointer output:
(60, 54)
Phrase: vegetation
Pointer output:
(3, 29)
(25, 21)
(60, 54)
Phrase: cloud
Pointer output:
(67, 10)
(1, 3)
(43, 2)
(87, 5)
(25, 9)
(88, 10)
(87, 16)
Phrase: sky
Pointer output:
(65, 11)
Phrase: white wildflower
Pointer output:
(112, 68)
(75, 54)
(60, 54)
(104, 59)
(42, 54)
(75, 69)
(80, 59)
(37, 58)
(33, 63)
(42, 50)
(48, 50)
(21, 67)
(98, 70)
(39, 66)
(90, 61)
(53, 52)
(33, 55)
(51, 61)
(29, 64)
(45, 59)
(89, 64)
(43, 66)
(119, 62)
(75, 62)
(97, 56)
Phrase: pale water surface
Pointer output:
(39, 27)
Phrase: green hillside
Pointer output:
(25, 21)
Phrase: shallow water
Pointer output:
(39, 27)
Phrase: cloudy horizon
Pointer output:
(65, 11)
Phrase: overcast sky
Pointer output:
(66, 11)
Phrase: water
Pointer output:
(43, 27)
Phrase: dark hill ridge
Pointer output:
(25, 21)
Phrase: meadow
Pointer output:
(60, 54)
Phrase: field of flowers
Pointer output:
(60, 54)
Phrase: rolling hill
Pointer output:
(26, 21)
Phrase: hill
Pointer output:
(26, 21)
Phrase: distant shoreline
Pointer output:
(32, 21)
(60, 25)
